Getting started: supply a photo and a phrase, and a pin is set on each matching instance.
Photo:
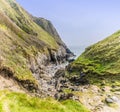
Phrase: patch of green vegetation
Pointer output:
(100, 62)
(23, 21)
(73, 106)
(3, 27)
(67, 90)
(19, 102)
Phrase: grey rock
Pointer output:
(114, 98)
(111, 99)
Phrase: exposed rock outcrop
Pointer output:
(47, 26)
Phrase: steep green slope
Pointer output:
(23, 42)
(19, 102)
(23, 20)
(101, 61)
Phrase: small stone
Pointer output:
(109, 100)
(49, 89)
(112, 99)
(76, 98)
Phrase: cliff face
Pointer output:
(27, 46)
(48, 27)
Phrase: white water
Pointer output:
(52, 69)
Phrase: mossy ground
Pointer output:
(19, 102)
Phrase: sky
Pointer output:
(79, 22)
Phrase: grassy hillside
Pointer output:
(23, 44)
(101, 61)
(19, 102)
(21, 40)
(23, 20)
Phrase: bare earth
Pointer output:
(9, 84)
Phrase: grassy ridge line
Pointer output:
(104, 56)
(100, 62)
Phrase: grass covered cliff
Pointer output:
(23, 41)
(101, 61)
(96, 73)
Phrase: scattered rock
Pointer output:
(76, 98)
(111, 99)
